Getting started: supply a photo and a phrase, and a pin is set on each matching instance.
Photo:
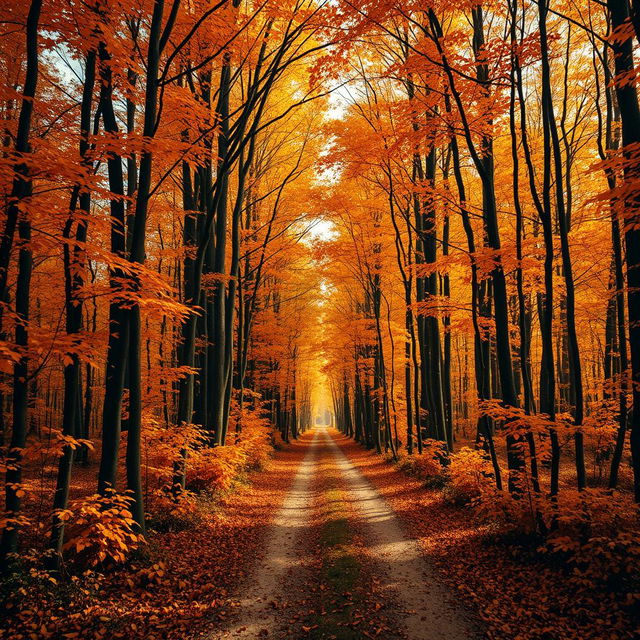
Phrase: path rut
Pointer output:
(429, 609)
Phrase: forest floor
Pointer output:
(518, 591)
(329, 542)
(178, 586)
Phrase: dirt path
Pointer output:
(425, 609)
(265, 588)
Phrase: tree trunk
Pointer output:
(21, 189)
(630, 117)
(118, 327)
(74, 267)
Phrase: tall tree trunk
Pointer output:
(219, 348)
(118, 326)
(13, 487)
(630, 116)
(21, 190)
(575, 366)
(543, 208)
(74, 267)
(138, 255)
(481, 355)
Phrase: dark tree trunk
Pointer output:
(74, 267)
(630, 117)
(21, 189)
(118, 327)
(481, 353)
(575, 366)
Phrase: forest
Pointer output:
(320, 319)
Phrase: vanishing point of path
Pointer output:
(333, 532)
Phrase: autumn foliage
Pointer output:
(223, 219)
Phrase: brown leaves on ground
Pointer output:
(177, 587)
(518, 592)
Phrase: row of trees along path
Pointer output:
(224, 217)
